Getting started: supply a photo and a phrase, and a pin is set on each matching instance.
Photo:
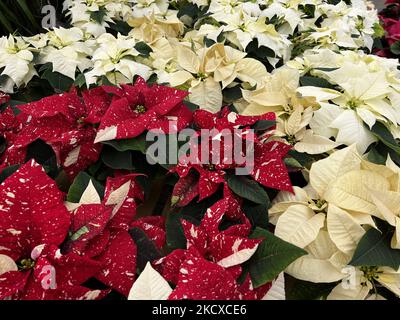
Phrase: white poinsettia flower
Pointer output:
(277, 94)
(366, 279)
(114, 59)
(16, 58)
(329, 217)
(81, 17)
(287, 11)
(148, 7)
(220, 9)
(207, 71)
(153, 27)
(200, 3)
(343, 25)
(241, 29)
(67, 50)
(292, 128)
(348, 113)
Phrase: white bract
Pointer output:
(329, 217)
(67, 51)
(114, 59)
(16, 58)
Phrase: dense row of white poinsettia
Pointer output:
(302, 60)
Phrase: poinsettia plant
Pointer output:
(90, 201)
(189, 149)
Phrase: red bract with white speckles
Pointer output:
(227, 249)
(32, 212)
(204, 178)
(119, 263)
(226, 119)
(138, 108)
(154, 228)
(88, 221)
(123, 192)
(269, 168)
(51, 275)
(66, 123)
(200, 279)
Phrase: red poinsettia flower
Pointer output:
(228, 248)
(154, 228)
(392, 27)
(269, 167)
(10, 126)
(226, 119)
(34, 217)
(50, 275)
(199, 279)
(203, 177)
(100, 231)
(66, 123)
(138, 108)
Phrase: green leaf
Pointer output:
(263, 125)
(293, 163)
(303, 158)
(121, 27)
(248, 189)
(135, 144)
(146, 249)
(303, 290)
(379, 31)
(57, 80)
(80, 80)
(374, 250)
(143, 49)
(272, 257)
(315, 82)
(376, 157)
(82, 231)
(175, 236)
(79, 186)
(116, 159)
(99, 15)
(395, 48)
(308, 9)
(383, 134)
(232, 94)
(257, 214)
(192, 106)
(5, 173)
(25, 8)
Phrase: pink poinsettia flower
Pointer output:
(34, 217)
(66, 122)
(138, 108)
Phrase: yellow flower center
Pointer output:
(140, 109)
(26, 264)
